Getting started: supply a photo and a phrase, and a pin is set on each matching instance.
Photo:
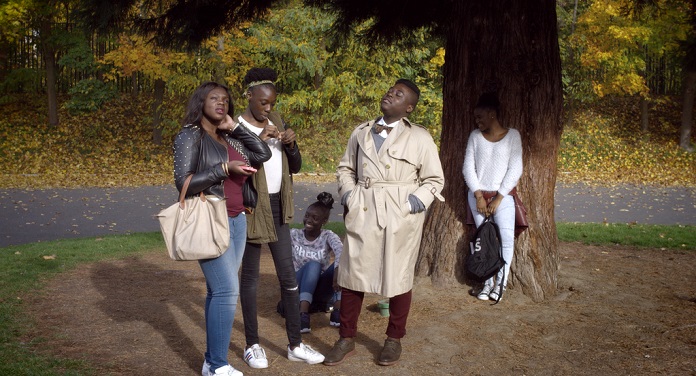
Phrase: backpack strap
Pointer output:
(500, 251)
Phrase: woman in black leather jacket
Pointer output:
(219, 155)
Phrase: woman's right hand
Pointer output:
(481, 206)
(235, 167)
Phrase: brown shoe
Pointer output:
(342, 349)
(390, 353)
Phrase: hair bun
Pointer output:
(326, 199)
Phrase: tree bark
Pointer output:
(48, 52)
(157, 111)
(514, 43)
(134, 85)
(644, 114)
(220, 68)
(687, 111)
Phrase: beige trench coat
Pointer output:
(382, 236)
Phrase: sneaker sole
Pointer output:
(483, 297)
(305, 331)
(348, 354)
(256, 366)
(381, 363)
(335, 324)
(296, 359)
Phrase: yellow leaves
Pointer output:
(613, 45)
(110, 147)
(601, 148)
(136, 54)
(439, 58)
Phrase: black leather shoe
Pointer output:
(342, 349)
(390, 353)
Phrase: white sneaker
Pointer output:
(255, 357)
(227, 370)
(304, 353)
(497, 294)
(206, 368)
(483, 295)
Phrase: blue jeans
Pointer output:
(222, 283)
(505, 219)
(315, 284)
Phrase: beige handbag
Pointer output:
(195, 228)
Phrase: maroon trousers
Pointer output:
(351, 304)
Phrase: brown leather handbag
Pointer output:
(520, 212)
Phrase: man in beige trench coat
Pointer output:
(389, 174)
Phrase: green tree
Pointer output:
(133, 55)
(327, 88)
(45, 19)
(613, 39)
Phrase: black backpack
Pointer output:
(486, 257)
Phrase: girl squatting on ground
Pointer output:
(311, 251)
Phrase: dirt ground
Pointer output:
(619, 311)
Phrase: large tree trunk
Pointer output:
(687, 111)
(514, 43)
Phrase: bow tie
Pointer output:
(378, 128)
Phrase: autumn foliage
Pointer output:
(112, 147)
(605, 146)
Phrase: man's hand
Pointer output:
(270, 131)
(336, 287)
(288, 138)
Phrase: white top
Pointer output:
(274, 166)
(304, 251)
(493, 166)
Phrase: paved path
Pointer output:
(43, 215)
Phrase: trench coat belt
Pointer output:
(368, 182)
(381, 209)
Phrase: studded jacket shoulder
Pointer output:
(195, 152)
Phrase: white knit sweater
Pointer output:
(493, 166)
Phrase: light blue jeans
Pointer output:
(222, 283)
(314, 283)
(505, 219)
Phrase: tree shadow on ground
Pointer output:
(127, 292)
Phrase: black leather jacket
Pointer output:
(195, 152)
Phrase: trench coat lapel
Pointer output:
(367, 144)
